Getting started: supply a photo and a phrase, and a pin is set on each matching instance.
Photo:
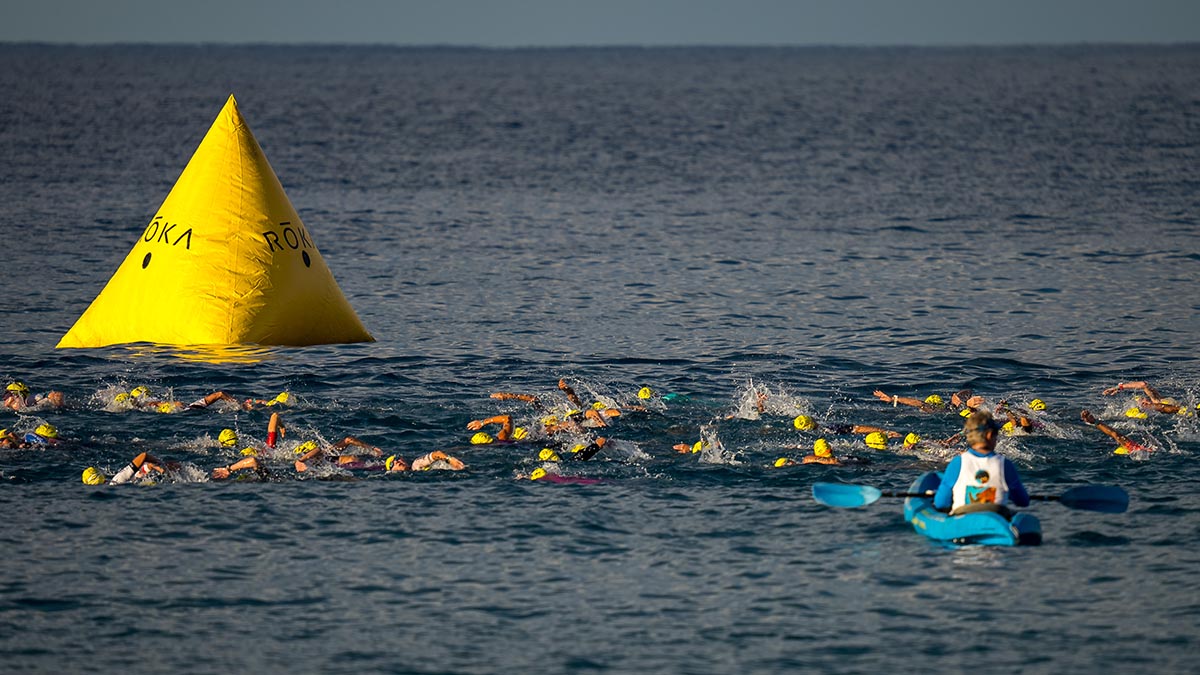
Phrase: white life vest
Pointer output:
(980, 480)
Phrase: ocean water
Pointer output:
(806, 224)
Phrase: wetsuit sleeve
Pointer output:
(944, 498)
(1016, 490)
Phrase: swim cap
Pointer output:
(5, 433)
(571, 413)
(548, 455)
(876, 440)
(537, 473)
(387, 463)
(92, 476)
(782, 461)
(1135, 413)
(519, 433)
(550, 421)
(821, 448)
(306, 446)
(804, 423)
(645, 393)
(1121, 450)
(165, 407)
(121, 397)
(578, 447)
(281, 398)
(1037, 404)
(18, 387)
(934, 399)
(697, 446)
(227, 438)
(598, 405)
(1008, 427)
(965, 412)
(481, 438)
(46, 431)
(911, 439)
(139, 391)
(249, 452)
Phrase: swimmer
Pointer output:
(807, 423)
(17, 397)
(310, 452)
(821, 454)
(10, 440)
(508, 433)
(541, 475)
(44, 434)
(139, 467)
(1152, 399)
(1125, 445)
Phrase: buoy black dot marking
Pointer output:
(304, 255)
(146, 261)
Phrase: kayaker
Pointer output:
(980, 479)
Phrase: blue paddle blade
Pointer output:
(1101, 498)
(845, 496)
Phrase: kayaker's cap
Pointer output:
(227, 438)
(46, 431)
(876, 440)
(537, 473)
(821, 448)
(804, 423)
(645, 393)
(548, 455)
(1136, 413)
(1037, 404)
(911, 439)
(93, 476)
(481, 438)
(935, 400)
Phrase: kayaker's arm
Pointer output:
(1016, 489)
(944, 498)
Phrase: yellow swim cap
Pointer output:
(645, 393)
(1121, 450)
(578, 447)
(46, 431)
(18, 387)
(598, 405)
(121, 397)
(387, 463)
(139, 391)
(697, 446)
(281, 398)
(165, 407)
(92, 476)
(804, 423)
(306, 446)
(782, 461)
(548, 455)
(876, 440)
(821, 448)
(1135, 413)
(1037, 404)
(227, 438)
(1008, 427)
(537, 473)
(481, 438)
(934, 400)
(249, 452)
(911, 439)
(549, 421)
(965, 412)
(519, 433)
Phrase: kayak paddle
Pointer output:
(1100, 498)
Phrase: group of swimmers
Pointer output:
(570, 429)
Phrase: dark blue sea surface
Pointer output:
(808, 225)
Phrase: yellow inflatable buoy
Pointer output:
(226, 260)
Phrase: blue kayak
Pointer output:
(982, 528)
